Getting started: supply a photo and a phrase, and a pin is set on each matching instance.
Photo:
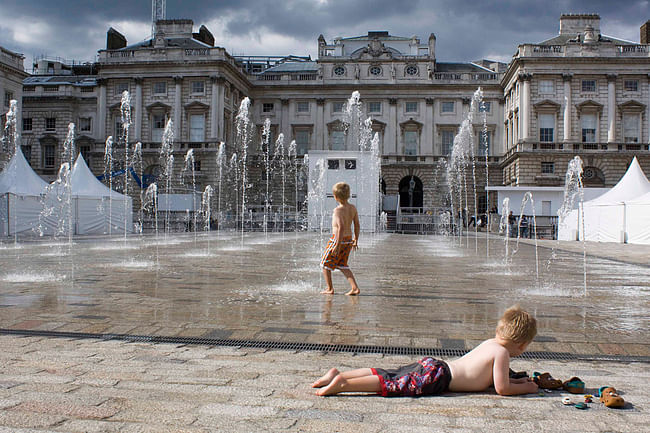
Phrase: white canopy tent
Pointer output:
(605, 216)
(95, 208)
(21, 191)
(637, 220)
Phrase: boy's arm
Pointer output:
(336, 229)
(502, 383)
(357, 228)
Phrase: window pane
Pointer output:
(631, 85)
(198, 87)
(302, 142)
(631, 128)
(158, 127)
(588, 128)
(159, 87)
(588, 85)
(337, 107)
(302, 107)
(447, 142)
(197, 127)
(338, 140)
(374, 107)
(447, 107)
(410, 142)
(411, 107)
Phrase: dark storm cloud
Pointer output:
(465, 29)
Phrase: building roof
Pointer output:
(460, 67)
(51, 80)
(171, 42)
(293, 67)
(564, 39)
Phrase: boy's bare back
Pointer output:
(343, 217)
(486, 365)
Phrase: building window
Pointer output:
(332, 164)
(588, 85)
(411, 70)
(447, 141)
(410, 142)
(27, 152)
(157, 128)
(121, 88)
(339, 70)
(50, 123)
(485, 107)
(374, 107)
(338, 140)
(302, 141)
(546, 127)
(267, 107)
(548, 167)
(411, 107)
(484, 142)
(588, 128)
(29, 88)
(631, 85)
(48, 156)
(198, 87)
(337, 107)
(87, 89)
(50, 88)
(375, 70)
(27, 123)
(119, 130)
(85, 124)
(631, 128)
(302, 107)
(8, 97)
(160, 88)
(197, 127)
(197, 165)
(546, 87)
(85, 153)
(350, 164)
(447, 107)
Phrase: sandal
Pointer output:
(545, 380)
(610, 398)
(574, 385)
(517, 374)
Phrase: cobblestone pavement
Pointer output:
(417, 291)
(62, 385)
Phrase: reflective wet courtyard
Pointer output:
(418, 291)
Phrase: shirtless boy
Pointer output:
(487, 365)
(341, 243)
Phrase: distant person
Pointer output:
(523, 224)
(512, 224)
(486, 365)
(341, 243)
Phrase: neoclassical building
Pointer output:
(12, 74)
(579, 92)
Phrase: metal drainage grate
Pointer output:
(350, 348)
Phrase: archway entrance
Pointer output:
(411, 192)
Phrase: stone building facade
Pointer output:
(12, 74)
(579, 92)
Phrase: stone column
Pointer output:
(213, 108)
(567, 106)
(285, 124)
(320, 125)
(101, 110)
(428, 128)
(221, 104)
(178, 81)
(524, 107)
(138, 109)
(611, 108)
(390, 143)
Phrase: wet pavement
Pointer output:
(417, 291)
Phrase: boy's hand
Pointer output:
(531, 387)
(354, 244)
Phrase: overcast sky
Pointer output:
(466, 30)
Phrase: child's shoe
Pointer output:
(545, 380)
(574, 385)
(610, 398)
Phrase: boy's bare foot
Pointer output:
(326, 379)
(334, 387)
(353, 292)
(328, 292)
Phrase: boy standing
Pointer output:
(341, 243)
(486, 365)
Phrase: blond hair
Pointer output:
(517, 325)
(341, 190)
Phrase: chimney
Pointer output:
(645, 33)
(114, 40)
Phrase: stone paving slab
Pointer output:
(268, 390)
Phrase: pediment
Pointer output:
(589, 105)
(547, 104)
(158, 105)
(196, 105)
(632, 105)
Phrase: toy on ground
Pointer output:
(610, 398)
(567, 401)
(546, 381)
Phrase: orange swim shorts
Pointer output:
(333, 261)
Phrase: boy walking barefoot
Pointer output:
(341, 243)
(486, 365)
